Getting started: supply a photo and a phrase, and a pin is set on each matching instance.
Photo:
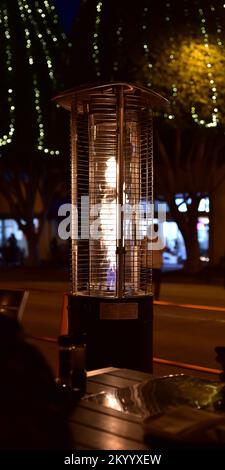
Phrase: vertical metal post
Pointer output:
(74, 218)
(120, 193)
(150, 195)
(92, 195)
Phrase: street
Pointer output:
(180, 334)
(190, 334)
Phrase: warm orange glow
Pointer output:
(108, 222)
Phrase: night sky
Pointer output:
(67, 10)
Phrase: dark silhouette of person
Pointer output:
(11, 250)
(32, 413)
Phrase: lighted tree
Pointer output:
(177, 49)
(30, 143)
(190, 139)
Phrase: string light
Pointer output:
(41, 133)
(218, 29)
(7, 137)
(119, 34)
(214, 114)
(28, 14)
(172, 57)
(145, 43)
(34, 30)
(95, 45)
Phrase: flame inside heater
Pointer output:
(108, 217)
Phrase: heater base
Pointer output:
(119, 331)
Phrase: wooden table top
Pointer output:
(99, 428)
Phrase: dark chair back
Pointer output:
(13, 302)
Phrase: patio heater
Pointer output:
(112, 185)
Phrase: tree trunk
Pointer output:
(33, 249)
(211, 232)
(193, 262)
(187, 223)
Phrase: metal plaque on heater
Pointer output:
(119, 311)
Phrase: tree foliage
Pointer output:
(190, 139)
(191, 77)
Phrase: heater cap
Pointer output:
(154, 99)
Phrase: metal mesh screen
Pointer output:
(102, 181)
(138, 151)
(111, 164)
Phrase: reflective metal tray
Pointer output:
(157, 395)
